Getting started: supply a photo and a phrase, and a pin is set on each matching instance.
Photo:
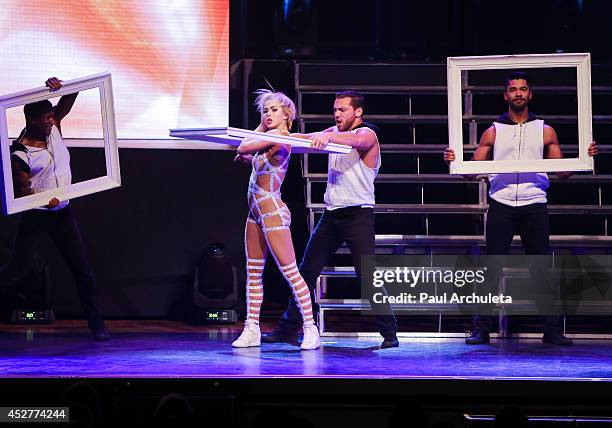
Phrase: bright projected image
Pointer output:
(168, 59)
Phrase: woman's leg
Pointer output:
(275, 222)
(256, 251)
(281, 247)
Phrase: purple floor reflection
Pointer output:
(210, 355)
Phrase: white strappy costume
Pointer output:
(268, 211)
(262, 189)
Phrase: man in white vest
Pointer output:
(517, 201)
(349, 210)
(40, 162)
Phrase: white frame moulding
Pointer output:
(112, 179)
(228, 137)
(580, 61)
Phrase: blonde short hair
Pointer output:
(265, 95)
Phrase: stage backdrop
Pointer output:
(170, 66)
(169, 59)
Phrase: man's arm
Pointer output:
(21, 178)
(309, 136)
(22, 184)
(362, 139)
(483, 152)
(65, 103)
(552, 149)
(63, 107)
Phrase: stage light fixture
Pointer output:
(215, 287)
(31, 300)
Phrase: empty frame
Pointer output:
(101, 83)
(580, 61)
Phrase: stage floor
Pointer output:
(159, 349)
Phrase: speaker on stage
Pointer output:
(214, 287)
(29, 301)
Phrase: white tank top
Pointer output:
(50, 167)
(350, 182)
(516, 142)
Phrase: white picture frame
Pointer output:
(580, 61)
(112, 179)
(228, 137)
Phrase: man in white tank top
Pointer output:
(349, 210)
(40, 161)
(517, 201)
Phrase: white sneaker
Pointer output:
(311, 337)
(251, 336)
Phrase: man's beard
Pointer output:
(519, 108)
(346, 125)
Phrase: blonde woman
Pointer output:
(267, 226)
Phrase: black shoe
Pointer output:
(390, 342)
(557, 339)
(478, 337)
(101, 335)
(280, 334)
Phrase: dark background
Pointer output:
(145, 238)
(417, 30)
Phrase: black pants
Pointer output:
(531, 223)
(353, 225)
(63, 229)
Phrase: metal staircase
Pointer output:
(420, 208)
